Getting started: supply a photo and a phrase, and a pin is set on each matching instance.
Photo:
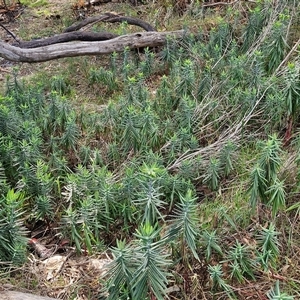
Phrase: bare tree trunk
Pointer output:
(72, 49)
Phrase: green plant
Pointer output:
(220, 39)
(257, 187)
(277, 44)
(13, 241)
(258, 71)
(88, 223)
(270, 159)
(33, 3)
(211, 243)
(149, 197)
(184, 225)
(276, 294)
(185, 113)
(126, 64)
(241, 263)
(190, 169)
(120, 272)
(218, 283)
(291, 90)
(132, 155)
(150, 277)
(131, 124)
(264, 183)
(71, 135)
(267, 241)
(105, 77)
(136, 93)
(169, 51)
(212, 176)
(150, 129)
(59, 84)
(44, 208)
(186, 77)
(3, 180)
(113, 63)
(164, 99)
(147, 64)
(141, 270)
(277, 194)
(70, 221)
(256, 22)
(226, 157)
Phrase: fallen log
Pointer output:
(72, 49)
(67, 37)
(72, 34)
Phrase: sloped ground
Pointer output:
(61, 273)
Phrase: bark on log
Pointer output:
(10, 295)
(72, 49)
(71, 33)
(67, 37)
(111, 18)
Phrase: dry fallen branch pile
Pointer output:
(75, 42)
(59, 276)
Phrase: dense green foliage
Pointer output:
(146, 166)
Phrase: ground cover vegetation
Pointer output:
(183, 168)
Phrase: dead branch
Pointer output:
(78, 43)
(9, 32)
(130, 21)
(67, 37)
(224, 3)
(111, 18)
(72, 49)
(85, 22)
(71, 33)
(219, 3)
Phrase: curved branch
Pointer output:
(131, 21)
(72, 49)
(85, 22)
(67, 37)
(111, 18)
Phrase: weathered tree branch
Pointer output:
(86, 22)
(9, 32)
(224, 3)
(71, 33)
(72, 49)
(111, 18)
(66, 37)
(130, 21)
